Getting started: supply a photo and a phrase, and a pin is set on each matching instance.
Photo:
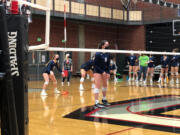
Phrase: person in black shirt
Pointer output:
(67, 69)
(49, 74)
(101, 73)
(174, 63)
(87, 68)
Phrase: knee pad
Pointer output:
(176, 73)
(96, 91)
(82, 79)
(92, 79)
(51, 73)
(152, 74)
(46, 83)
(172, 73)
(104, 89)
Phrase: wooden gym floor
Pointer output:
(73, 114)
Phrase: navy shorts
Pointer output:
(175, 64)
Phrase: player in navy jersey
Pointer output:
(49, 74)
(87, 68)
(136, 67)
(151, 66)
(164, 68)
(174, 67)
(67, 69)
(113, 69)
(132, 67)
(101, 73)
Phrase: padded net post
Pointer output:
(8, 115)
(18, 49)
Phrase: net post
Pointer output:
(8, 115)
(47, 34)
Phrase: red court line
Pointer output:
(121, 131)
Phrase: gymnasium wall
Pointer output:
(112, 11)
(126, 37)
(159, 37)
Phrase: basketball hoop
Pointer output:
(125, 3)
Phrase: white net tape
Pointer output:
(56, 49)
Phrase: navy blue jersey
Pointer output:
(88, 65)
(50, 66)
(102, 63)
(164, 62)
(113, 67)
(67, 64)
(151, 62)
(174, 60)
(132, 60)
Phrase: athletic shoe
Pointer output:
(137, 83)
(177, 81)
(43, 93)
(81, 87)
(99, 105)
(68, 83)
(93, 86)
(105, 102)
(172, 81)
(87, 77)
(159, 80)
(165, 80)
(151, 82)
(56, 91)
(115, 80)
(144, 83)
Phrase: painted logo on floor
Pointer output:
(145, 113)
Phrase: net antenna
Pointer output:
(65, 31)
(47, 26)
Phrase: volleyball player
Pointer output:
(143, 62)
(136, 69)
(132, 68)
(174, 67)
(87, 68)
(101, 73)
(164, 68)
(67, 69)
(49, 74)
(113, 69)
(151, 66)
